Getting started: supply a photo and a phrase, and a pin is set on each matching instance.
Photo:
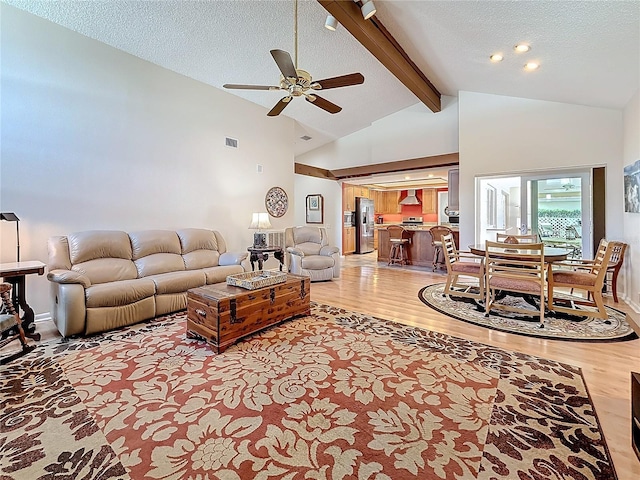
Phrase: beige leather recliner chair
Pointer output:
(309, 254)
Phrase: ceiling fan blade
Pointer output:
(250, 87)
(285, 64)
(341, 81)
(323, 103)
(278, 107)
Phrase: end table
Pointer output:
(15, 274)
(261, 254)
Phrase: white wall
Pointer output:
(331, 192)
(94, 138)
(631, 221)
(410, 133)
(503, 135)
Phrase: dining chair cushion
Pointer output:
(467, 267)
(576, 278)
(7, 322)
(520, 285)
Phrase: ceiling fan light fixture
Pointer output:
(368, 9)
(331, 23)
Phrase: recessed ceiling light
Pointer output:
(430, 175)
(496, 57)
(531, 65)
(522, 48)
(407, 177)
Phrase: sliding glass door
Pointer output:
(555, 205)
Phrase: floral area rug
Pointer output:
(333, 395)
(557, 326)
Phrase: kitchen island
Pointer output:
(420, 250)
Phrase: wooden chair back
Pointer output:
(465, 265)
(397, 233)
(438, 232)
(520, 270)
(506, 238)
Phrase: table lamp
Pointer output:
(258, 222)
(12, 217)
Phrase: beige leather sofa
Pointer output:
(309, 253)
(102, 280)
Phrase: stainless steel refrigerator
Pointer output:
(364, 225)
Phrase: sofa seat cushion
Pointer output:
(178, 282)
(115, 294)
(219, 274)
(317, 262)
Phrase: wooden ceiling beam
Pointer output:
(311, 171)
(435, 161)
(376, 38)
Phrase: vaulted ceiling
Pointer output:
(589, 51)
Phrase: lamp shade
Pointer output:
(368, 9)
(260, 221)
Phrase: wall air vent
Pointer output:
(231, 142)
(306, 138)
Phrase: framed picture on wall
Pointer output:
(315, 208)
(632, 187)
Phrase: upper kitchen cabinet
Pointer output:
(429, 200)
(348, 198)
(391, 202)
(454, 191)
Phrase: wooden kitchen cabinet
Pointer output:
(392, 202)
(429, 200)
(348, 198)
(376, 196)
(349, 240)
(375, 238)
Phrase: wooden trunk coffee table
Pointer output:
(222, 314)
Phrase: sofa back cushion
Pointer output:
(156, 251)
(102, 255)
(199, 248)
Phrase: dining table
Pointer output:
(551, 254)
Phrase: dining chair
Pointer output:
(520, 271)
(11, 326)
(615, 264)
(506, 238)
(585, 275)
(437, 233)
(462, 264)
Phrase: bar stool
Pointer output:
(399, 238)
(437, 233)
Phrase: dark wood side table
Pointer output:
(261, 254)
(15, 274)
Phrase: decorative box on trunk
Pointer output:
(221, 314)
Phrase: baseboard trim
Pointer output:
(42, 317)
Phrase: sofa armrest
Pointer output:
(68, 276)
(295, 251)
(327, 251)
(232, 258)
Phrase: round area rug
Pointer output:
(557, 325)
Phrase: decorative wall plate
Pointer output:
(276, 202)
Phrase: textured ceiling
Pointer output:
(589, 51)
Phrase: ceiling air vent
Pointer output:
(231, 142)
(306, 138)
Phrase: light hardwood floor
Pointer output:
(392, 293)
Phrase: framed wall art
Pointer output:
(632, 187)
(315, 208)
(276, 202)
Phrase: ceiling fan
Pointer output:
(298, 83)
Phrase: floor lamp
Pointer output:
(12, 217)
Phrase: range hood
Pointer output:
(410, 199)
